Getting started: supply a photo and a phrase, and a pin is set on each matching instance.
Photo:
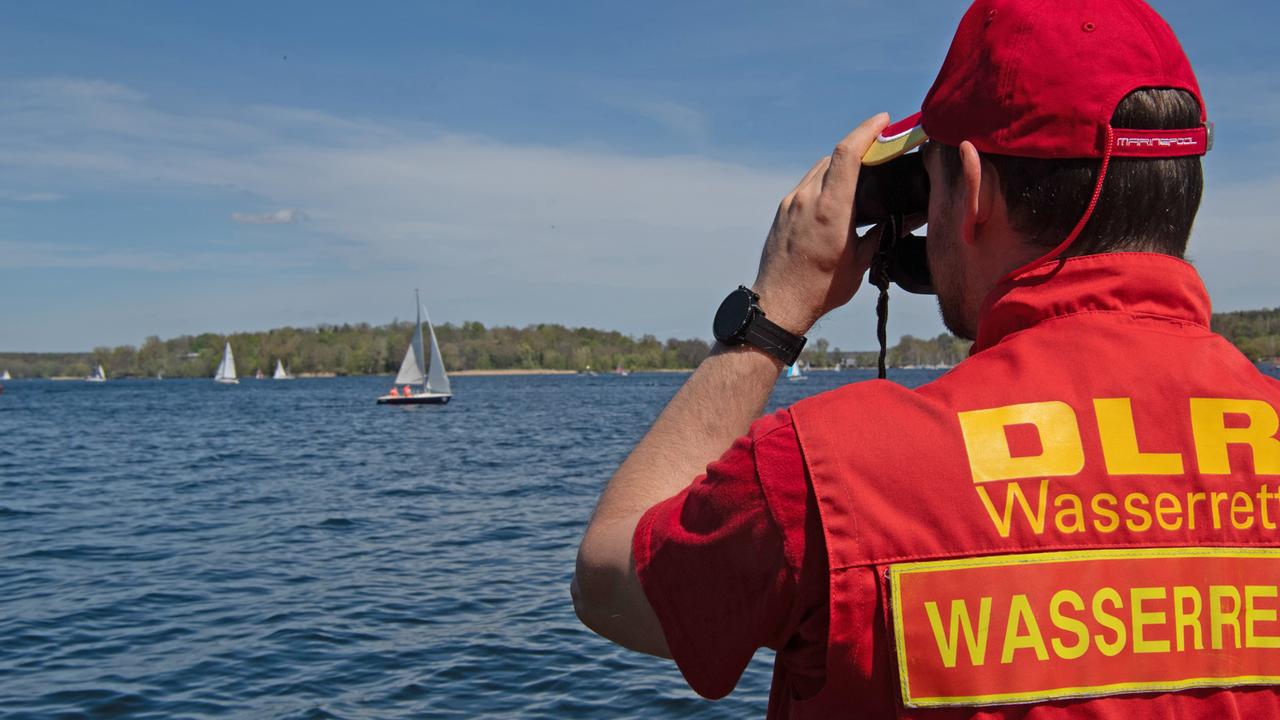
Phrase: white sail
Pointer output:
(227, 368)
(6, 376)
(280, 373)
(413, 370)
(437, 378)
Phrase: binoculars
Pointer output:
(886, 195)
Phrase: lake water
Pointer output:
(289, 549)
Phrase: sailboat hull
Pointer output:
(416, 399)
(227, 381)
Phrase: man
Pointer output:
(1079, 520)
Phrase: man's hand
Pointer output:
(813, 260)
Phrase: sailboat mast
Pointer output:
(422, 361)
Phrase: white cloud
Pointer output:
(494, 230)
(279, 217)
(477, 210)
(31, 255)
(31, 197)
(689, 123)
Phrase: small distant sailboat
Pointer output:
(423, 367)
(98, 375)
(281, 373)
(794, 373)
(6, 376)
(226, 373)
(259, 375)
(622, 371)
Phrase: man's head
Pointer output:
(977, 236)
(1055, 129)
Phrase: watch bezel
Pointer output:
(742, 303)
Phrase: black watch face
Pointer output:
(732, 317)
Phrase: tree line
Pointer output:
(363, 349)
(1255, 332)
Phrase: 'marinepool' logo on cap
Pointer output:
(1154, 142)
(1048, 626)
(1159, 143)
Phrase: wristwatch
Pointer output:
(740, 320)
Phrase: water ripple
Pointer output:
(179, 549)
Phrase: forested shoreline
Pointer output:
(363, 349)
(1255, 332)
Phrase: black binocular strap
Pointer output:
(880, 278)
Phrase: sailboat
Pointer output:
(226, 373)
(99, 375)
(794, 374)
(423, 368)
(281, 373)
(6, 376)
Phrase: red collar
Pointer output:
(1132, 283)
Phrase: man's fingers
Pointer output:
(842, 174)
(817, 169)
(807, 191)
(866, 246)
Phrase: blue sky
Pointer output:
(171, 168)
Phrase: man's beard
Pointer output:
(945, 269)
(953, 319)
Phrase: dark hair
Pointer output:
(1146, 204)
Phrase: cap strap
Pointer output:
(1126, 142)
(1084, 220)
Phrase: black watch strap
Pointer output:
(771, 338)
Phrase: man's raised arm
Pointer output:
(812, 263)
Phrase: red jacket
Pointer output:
(1080, 518)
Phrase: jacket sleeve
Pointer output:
(716, 566)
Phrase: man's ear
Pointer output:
(979, 184)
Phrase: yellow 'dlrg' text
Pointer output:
(1062, 452)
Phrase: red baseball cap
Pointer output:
(1042, 78)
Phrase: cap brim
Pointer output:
(895, 140)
